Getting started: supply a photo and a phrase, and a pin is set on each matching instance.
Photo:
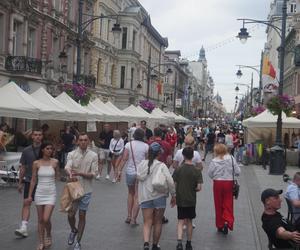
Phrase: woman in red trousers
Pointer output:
(221, 170)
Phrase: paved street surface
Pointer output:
(106, 229)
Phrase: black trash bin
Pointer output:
(277, 160)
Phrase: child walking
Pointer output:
(188, 181)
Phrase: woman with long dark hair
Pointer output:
(153, 201)
(222, 169)
(44, 172)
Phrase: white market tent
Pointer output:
(44, 97)
(159, 112)
(134, 111)
(14, 102)
(266, 122)
(128, 117)
(107, 116)
(177, 117)
(109, 111)
(65, 99)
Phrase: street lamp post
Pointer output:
(82, 26)
(277, 165)
(239, 74)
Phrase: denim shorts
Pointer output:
(160, 202)
(83, 202)
(130, 179)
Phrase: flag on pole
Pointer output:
(159, 87)
(269, 80)
(268, 68)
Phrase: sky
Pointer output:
(189, 24)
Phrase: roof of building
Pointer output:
(162, 40)
(174, 52)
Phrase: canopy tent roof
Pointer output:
(158, 111)
(134, 111)
(77, 108)
(267, 120)
(109, 111)
(177, 117)
(14, 102)
(107, 116)
(151, 115)
(44, 97)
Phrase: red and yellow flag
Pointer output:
(268, 68)
(159, 87)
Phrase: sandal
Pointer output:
(47, 241)
(40, 247)
(127, 221)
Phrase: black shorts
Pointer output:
(26, 190)
(186, 213)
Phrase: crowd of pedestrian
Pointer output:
(154, 164)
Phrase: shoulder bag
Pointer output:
(159, 181)
(114, 149)
(236, 185)
(131, 149)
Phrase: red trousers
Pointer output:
(223, 203)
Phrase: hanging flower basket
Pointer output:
(147, 105)
(78, 92)
(285, 103)
(257, 110)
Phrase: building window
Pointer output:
(108, 30)
(131, 78)
(17, 38)
(124, 38)
(57, 5)
(133, 40)
(293, 8)
(122, 82)
(31, 43)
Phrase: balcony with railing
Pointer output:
(23, 64)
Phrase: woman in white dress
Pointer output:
(44, 172)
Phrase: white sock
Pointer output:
(24, 224)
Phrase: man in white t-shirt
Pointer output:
(178, 158)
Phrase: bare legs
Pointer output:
(132, 203)
(189, 225)
(152, 218)
(81, 223)
(115, 164)
(44, 224)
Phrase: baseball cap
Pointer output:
(155, 147)
(269, 192)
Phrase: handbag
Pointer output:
(75, 189)
(159, 181)
(236, 185)
(65, 200)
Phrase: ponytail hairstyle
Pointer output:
(153, 153)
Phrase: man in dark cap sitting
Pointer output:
(281, 233)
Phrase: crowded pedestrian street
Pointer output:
(107, 212)
(149, 124)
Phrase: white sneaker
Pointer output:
(21, 232)
(107, 177)
(194, 226)
(114, 180)
(98, 177)
(184, 227)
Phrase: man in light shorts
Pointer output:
(82, 165)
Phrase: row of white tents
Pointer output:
(40, 105)
(263, 126)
